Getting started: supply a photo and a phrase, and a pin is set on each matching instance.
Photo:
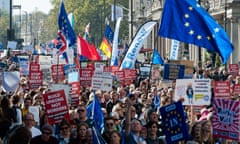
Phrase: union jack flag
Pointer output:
(61, 43)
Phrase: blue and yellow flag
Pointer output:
(187, 21)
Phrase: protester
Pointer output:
(89, 136)
(21, 135)
(64, 135)
(206, 132)
(82, 115)
(115, 137)
(81, 134)
(133, 128)
(46, 137)
(30, 123)
(109, 126)
(195, 133)
(152, 137)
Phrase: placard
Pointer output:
(56, 106)
(193, 91)
(226, 123)
(174, 122)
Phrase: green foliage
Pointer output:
(4, 25)
(85, 11)
(218, 61)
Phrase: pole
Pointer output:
(114, 15)
(131, 19)
(20, 25)
(10, 21)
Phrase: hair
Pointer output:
(64, 122)
(210, 137)
(151, 123)
(192, 129)
(117, 132)
(15, 99)
(108, 118)
(82, 124)
(22, 135)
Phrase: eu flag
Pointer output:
(94, 111)
(109, 33)
(65, 26)
(187, 21)
(97, 137)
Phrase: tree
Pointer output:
(4, 25)
(84, 11)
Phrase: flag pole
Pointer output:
(155, 41)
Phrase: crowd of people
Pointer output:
(131, 115)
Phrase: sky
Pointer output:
(30, 5)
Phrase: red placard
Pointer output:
(58, 72)
(75, 93)
(35, 76)
(34, 67)
(233, 68)
(222, 89)
(236, 89)
(86, 76)
(56, 106)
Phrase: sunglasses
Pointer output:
(80, 110)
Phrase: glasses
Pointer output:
(80, 110)
(109, 124)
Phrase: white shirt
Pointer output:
(35, 132)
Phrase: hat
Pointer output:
(47, 127)
(204, 114)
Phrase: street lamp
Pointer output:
(26, 23)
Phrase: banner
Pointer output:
(174, 50)
(134, 48)
(193, 91)
(115, 51)
(226, 123)
(117, 12)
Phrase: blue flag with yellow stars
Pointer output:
(187, 21)
(65, 26)
(174, 122)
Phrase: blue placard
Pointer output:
(69, 68)
(173, 71)
(73, 77)
(174, 122)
